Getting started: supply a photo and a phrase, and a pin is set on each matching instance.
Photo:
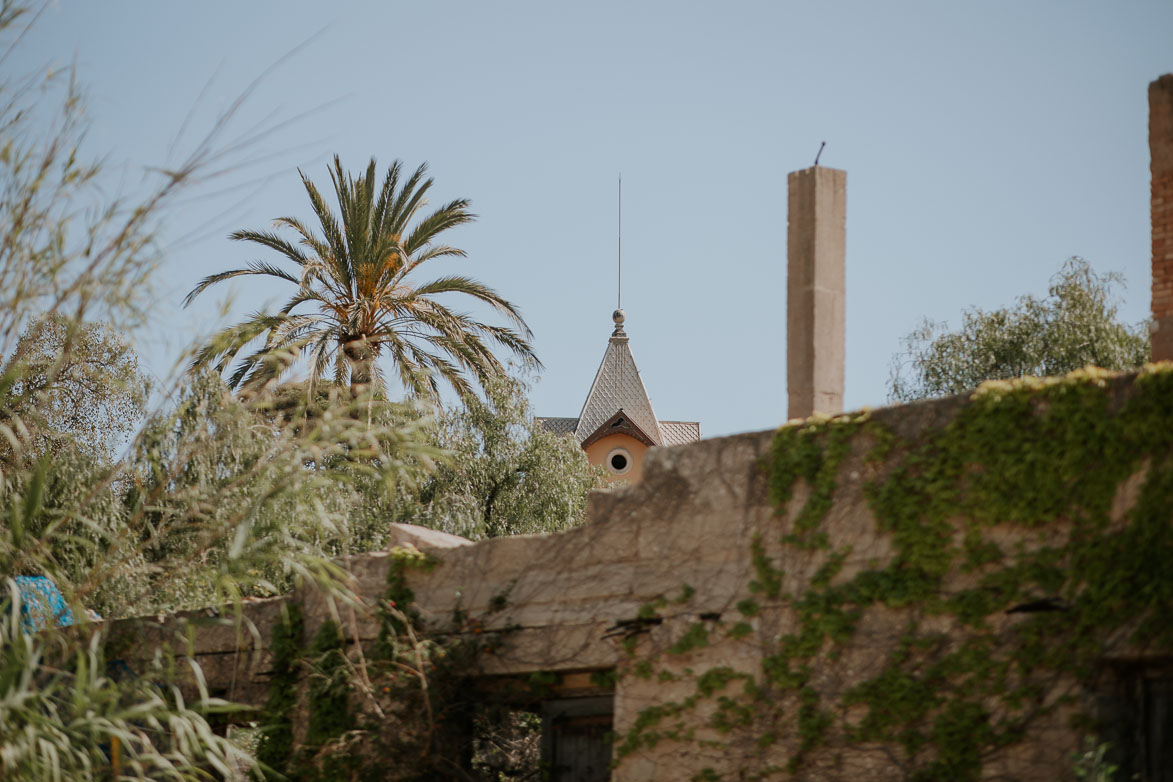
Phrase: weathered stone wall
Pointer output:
(655, 586)
(665, 585)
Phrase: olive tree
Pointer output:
(76, 383)
(1074, 325)
(504, 474)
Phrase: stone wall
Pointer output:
(703, 594)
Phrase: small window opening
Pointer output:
(619, 460)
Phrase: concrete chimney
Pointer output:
(1161, 154)
(815, 290)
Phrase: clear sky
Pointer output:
(984, 143)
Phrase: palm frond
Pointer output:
(412, 196)
(386, 198)
(479, 291)
(352, 292)
(273, 242)
(335, 239)
(448, 216)
(254, 268)
(226, 343)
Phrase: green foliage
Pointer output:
(1073, 327)
(542, 683)
(1029, 455)
(397, 612)
(286, 498)
(505, 475)
(1092, 764)
(740, 630)
(604, 680)
(813, 454)
(402, 713)
(769, 578)
(328, 699)
(1042, 458)
(275, 750)
(356, 276)
(695, 637)
(79, 388)
(71, 257)
(67, 713)
(218, 497)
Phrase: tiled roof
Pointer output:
(559, 425)
(674, 432)
(617, 387)
(680, 432)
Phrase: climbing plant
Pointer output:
(1005, 576)
(401, 713)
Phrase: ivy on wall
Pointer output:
(375, 718)
(276, 743)
(1007, 572)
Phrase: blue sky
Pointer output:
(984, 143)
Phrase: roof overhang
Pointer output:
(620, 423)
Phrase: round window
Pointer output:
(619, 460)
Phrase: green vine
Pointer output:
(397, 609)
(1031, 460)
(276, 744)
(329, 703)
(392, 716)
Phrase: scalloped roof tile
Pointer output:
(618, 387)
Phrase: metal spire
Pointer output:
(618, 315)
(619, 298)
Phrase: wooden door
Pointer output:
(1158, 729)
(576, 739)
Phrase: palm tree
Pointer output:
(362, 305)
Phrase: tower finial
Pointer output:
(618, 316)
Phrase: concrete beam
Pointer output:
(815, 291)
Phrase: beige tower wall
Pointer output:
(815, 291)
(598, 451)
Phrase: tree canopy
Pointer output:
(505, 474)
(76, 381)
(357, 299)
(1075, 325)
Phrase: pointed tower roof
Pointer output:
(618, 388)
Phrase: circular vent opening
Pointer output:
(619, 461)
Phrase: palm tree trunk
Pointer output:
(360, 354)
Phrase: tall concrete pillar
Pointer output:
(1161, 156)
(815, 290)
